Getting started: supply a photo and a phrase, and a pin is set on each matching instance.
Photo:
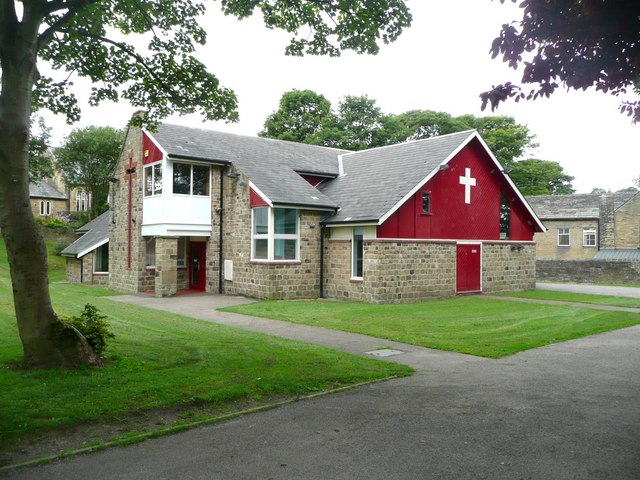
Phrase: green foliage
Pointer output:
(93, 326)
(58, 247)
(52, 222)
(540, 177)
(573, 43)
(40, 159)
(87, 159)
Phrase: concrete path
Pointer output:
(633, 292)
(566, 411)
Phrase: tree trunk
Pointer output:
(47, 341)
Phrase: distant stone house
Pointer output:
(88, 256)
(590, 238)
(203, 210)
(46, 200)
(587, 226)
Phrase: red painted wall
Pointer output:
(451, 217)
(256, 200)
(312, 179)
(150, 151)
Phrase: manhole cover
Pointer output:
(385, 352)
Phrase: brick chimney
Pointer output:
(607, 222)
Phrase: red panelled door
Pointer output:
(197, 265)
(468, 267)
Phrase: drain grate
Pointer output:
(385, 352)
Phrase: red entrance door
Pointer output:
(197, 265)
(468, 267)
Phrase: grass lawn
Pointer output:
(477, 326)
(158, 361)
(578, 297)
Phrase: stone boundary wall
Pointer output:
(588, 271)
(508, 267)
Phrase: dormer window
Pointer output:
(191, 179)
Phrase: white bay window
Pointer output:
(274, 234)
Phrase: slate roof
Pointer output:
(619, 254)
(96, 233)
(576, 206)
(270, 164)
(42, 189)
(376, 180)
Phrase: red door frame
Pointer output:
(197, 260)
(468, 267)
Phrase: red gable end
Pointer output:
(464, 201)
(150, 151)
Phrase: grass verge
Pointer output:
(158, 363)
(578, 298)
(477, 326)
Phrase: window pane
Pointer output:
(563, 237)
(261, 221)
(284, 249)
(157, 179)
(286, 221)
(181, 178)
(426, 202)
(260, 248)
(151, 252)
(148, 182)
(358, 251)
(505, 217)
(200, 180)
(102, 258)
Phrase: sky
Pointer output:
(440, 63)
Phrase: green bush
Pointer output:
(59, 247)
(93, 326)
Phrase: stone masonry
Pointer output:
(166, 274)
(627, 224)
(508, 267)
(80, 270)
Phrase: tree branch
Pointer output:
(73, 7)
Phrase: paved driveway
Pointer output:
(633, 292)
(566, 411)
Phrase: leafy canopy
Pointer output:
(541, 177)
(92, 39)
(576, 43)
(87, 159)
(40, 158)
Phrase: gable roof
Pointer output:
(270, 164)
(42, 189)
(376, 180)
(575, 206)
(96, 234)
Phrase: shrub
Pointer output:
(59, 247)
(93, 326)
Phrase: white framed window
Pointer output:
(82, 201)
(274, 233)
(357, 254)
(189, 179)
(589, 237)
(563, 237)
(150, 252)
(45, 208)
(153, 179)
(101, 259)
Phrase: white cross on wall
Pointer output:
(468, 181)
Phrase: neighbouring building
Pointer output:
(591, 238)
(46, 200)
(203, 210)
(88, 256)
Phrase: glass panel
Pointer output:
(358, 251)
(426, 202)
(102, 258)
(151, 252)
(505, 217)
(181, 178)
(260, 248)
(563, 237)
(284, 249)
(286, 221)
(200, 180)
(157, 179)
(148, 182)
(261, 221)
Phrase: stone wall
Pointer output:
(627, 224)
(136, 277)
(508, 267)
(588, 271)
(56, 206)
(547, 242)
(81, 271)
(262, 279)
(415, 270)
(166, 275)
